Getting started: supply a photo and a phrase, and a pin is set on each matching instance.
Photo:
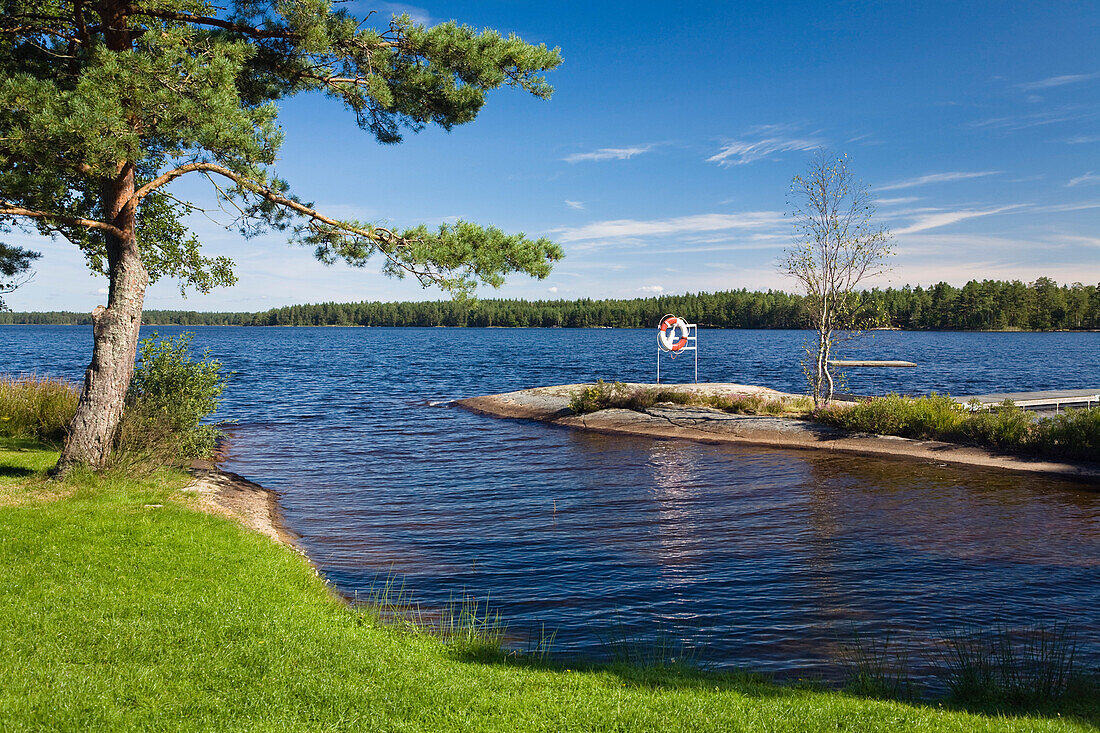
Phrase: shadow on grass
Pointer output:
(15, 472)
(1080, 703)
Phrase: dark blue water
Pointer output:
(765, 558)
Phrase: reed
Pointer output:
(1021, 666)
(877, 668)
(653, 648)
(467, 625)
(36, 408)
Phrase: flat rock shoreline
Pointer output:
(551, 405)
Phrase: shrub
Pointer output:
(1005, 426)
(38, 408)
(170, 397)
(603, 395)
(594, 397)
(1073, 434)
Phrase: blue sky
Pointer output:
(662, 162)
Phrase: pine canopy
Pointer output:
(92, 89)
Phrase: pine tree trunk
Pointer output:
(115, 330)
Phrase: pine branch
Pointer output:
(7, 209)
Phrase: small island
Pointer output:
(754, 415)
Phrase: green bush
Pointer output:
(595, 397)
(1005, 426)
(616, 395)
(170, 397)
(38, 408)
(1074, 434)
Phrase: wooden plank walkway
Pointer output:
(1053, 399)
(867, 363)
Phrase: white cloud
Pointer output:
(578, 205)
(1083, 139)
(552, 290)
(943, 218)
(1058, 81)
(897, 200)
(653, 289)
(762, 142)
(623, 228)
(103, 291)
(608, 154)
(1087, 179)
(936, 178)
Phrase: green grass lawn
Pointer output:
(116, 614)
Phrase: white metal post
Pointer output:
(697, 354)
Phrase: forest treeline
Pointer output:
(987, 305)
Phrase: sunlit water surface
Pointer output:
(768, 559)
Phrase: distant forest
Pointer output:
(988, 305)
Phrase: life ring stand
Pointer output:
(672, 334)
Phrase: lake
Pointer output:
(768, 559)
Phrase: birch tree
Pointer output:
(105, 103)
(837, 247)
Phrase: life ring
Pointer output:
(667, 338)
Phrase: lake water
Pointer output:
(763, 558)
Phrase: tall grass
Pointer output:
(467, 625)
(1019, 667)
(1074, 434)
(877, 667)
(616, 395)
(163, 422)
(37, 408)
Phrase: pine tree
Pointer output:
(104, 103)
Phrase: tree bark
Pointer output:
(115, 330)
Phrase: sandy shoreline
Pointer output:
(551, 405)
(232, 496)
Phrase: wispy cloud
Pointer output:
(608, 154)
(1058, 81)
(1012, 123)
(1086, 179)
(897, 200)
(627, 228)
(944, 218)
(652, 289)
(577, 205)
(936, 178)
(1083, 139)
(1063, 208)
(763, 142)
(1088, 241)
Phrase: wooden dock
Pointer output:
(868, 363)
(1054, 400)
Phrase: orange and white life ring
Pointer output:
(672, 334)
